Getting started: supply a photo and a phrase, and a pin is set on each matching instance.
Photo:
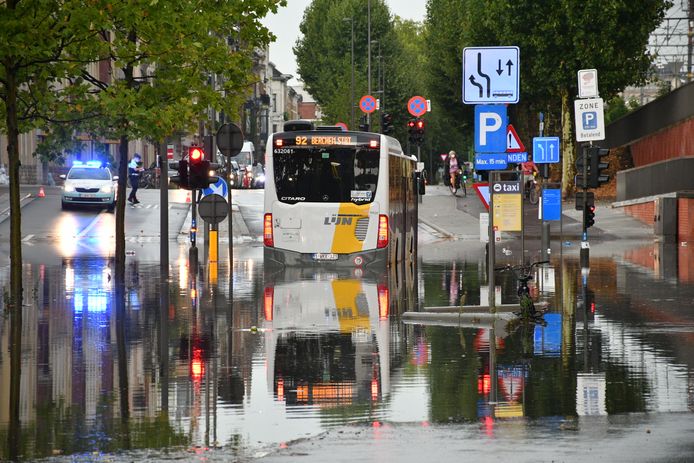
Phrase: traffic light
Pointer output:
(589, 216)
(420, 126)
(597, 175)
(582, 161)
(199, 168)
(182, 178)
(363, 125)
(386, 123)
(412, 131)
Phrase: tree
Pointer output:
(161, 57)
(556, 39)
(34, 36)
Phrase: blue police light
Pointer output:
(94, 163)
(77, 163)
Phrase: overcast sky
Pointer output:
(285, 25)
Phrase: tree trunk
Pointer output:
(16, 290)
(120, 209)
(567, 144)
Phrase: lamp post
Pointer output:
(351, 106)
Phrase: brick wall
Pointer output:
(645, 212)
(673, 142)
(685, 220)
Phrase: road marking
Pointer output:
(27, 238)
(91, 225)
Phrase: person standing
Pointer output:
(134, 171)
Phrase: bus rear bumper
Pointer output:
(365, 259)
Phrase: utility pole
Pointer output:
(368, 43)
(545, 230)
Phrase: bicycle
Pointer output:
(148, 179)
(459, 182)
(528, 311)
(532, 191)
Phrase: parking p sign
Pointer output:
(590, 120)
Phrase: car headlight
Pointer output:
(106, 189)
(68, 188)
(261, 178)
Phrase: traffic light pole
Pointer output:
(585, 245)
(193, 251)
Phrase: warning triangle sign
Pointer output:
(513, 141)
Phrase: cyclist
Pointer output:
(529, 170)
(452, 166)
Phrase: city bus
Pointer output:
(338, 197)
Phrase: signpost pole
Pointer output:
(193, 251)
(491, 261)
(545, 225)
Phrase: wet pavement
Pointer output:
(251, 363)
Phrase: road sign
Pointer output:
(551, 204)
(491, 75)
(490, 128)
(417, 106)
(590, 120)
(367, 104)
(482, 190)
(219, 188)
(507, 206)
(342, 125)
(545, 150)
(491, 161)
(588, 83)
(213, 208)
(169, 151)
(229, 139)
(516, 158)
(443, 157)
(513, 141)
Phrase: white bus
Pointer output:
(338, 197)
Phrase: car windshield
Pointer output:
(87, 173)
(331, 174)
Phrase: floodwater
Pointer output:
(315, 365)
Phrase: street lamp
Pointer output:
(351, 107)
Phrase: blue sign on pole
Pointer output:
(490, 161)
(545, 150)
(518, 157)
(551, 204)
(490, 128)
(220, 188)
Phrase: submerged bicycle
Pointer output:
(528, 311)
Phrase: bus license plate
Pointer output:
(324, 256)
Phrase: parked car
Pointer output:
(89, 184)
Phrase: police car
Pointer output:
(89, 184)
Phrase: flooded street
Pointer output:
(308, 364)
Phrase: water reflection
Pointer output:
(327, 340)
(260, 358)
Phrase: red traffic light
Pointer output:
(410, 124)
(420, 124)
(195, 154)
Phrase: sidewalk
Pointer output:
(458, 219)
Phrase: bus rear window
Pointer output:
(326, 174)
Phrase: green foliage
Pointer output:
(617, 107)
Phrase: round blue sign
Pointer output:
(220, 188)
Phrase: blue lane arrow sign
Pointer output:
(545, 150)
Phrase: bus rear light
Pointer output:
(279, 142)
(383, 302)
(268, 238)
(382, 241)
(268, 302)
(373, 144)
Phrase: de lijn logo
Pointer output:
(340, 219)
